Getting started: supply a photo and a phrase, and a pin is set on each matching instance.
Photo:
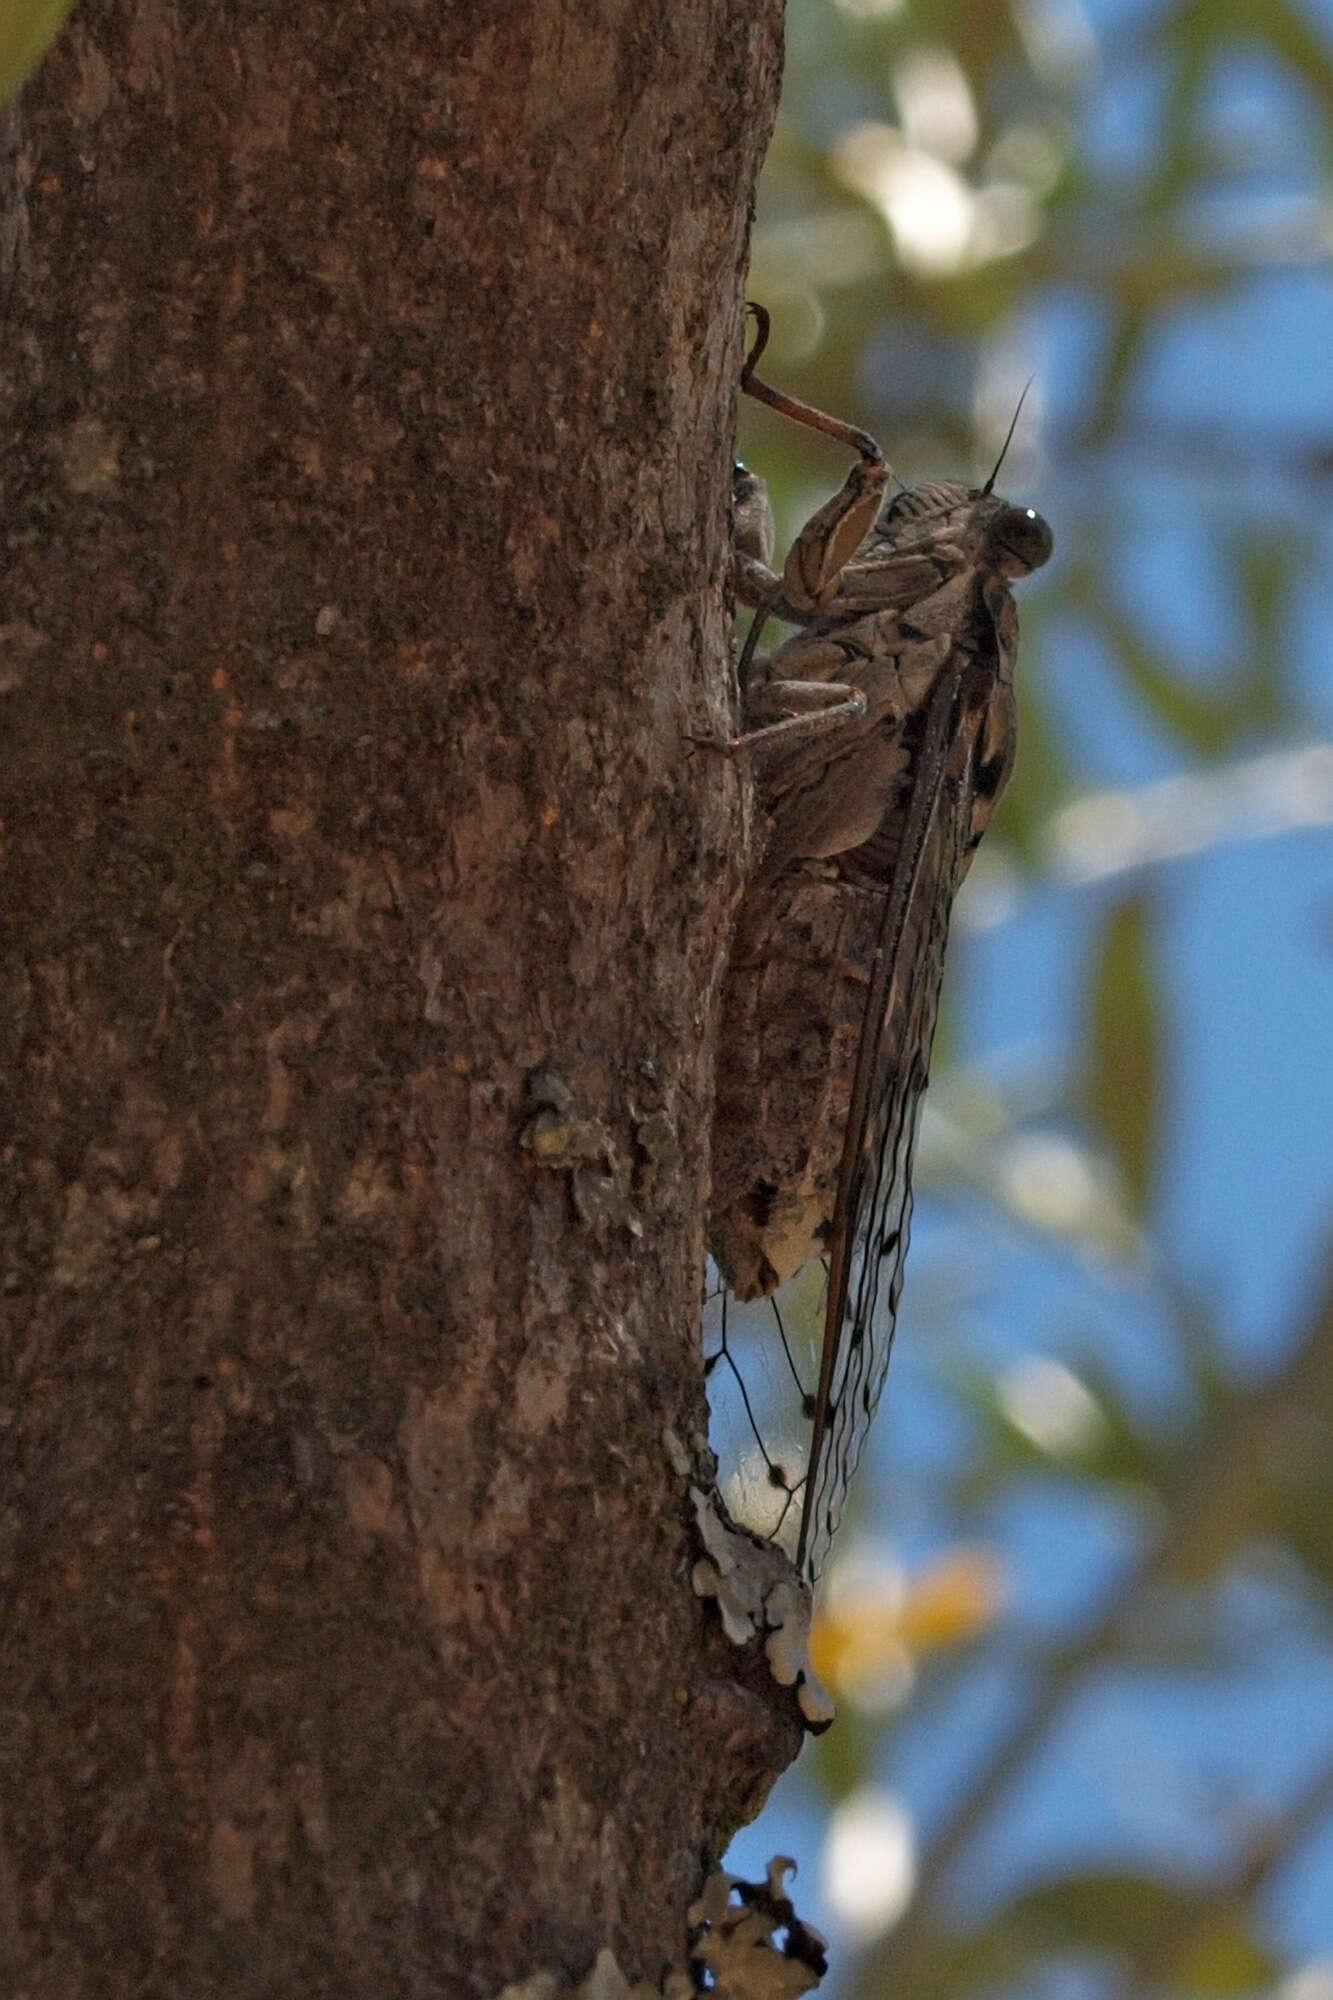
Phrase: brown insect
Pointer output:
(882, 735)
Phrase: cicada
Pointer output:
(882, 736)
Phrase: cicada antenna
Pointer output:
(989, 487)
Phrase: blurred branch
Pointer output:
(1104, 835)
(1255, 798)
(1209, 1512)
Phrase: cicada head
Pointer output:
(961, 523)
(931, 519)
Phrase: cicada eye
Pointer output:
(1020, 540)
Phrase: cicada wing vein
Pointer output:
(874, 1202)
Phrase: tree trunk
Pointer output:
(368, 385)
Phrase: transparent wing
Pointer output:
(875, 1194)
(761, 1360)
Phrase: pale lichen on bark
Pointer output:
(759, 1592)
(746, 1943)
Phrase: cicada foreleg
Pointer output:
(833, 534)
(784, 709)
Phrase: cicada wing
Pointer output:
(761, 1359)
(881, 1223)
(875, 1193)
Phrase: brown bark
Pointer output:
(368, 386)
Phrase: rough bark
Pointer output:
(368, 385)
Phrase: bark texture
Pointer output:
(367, 401)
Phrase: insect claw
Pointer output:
(759, 314)
(720, 746)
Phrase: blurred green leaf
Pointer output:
(1118, 1912)
(1305, 1519)
(1232, 709)
(1203, 28)
(26, 27)
(1268, 569)
(1122, 1090)
(1113, 1448)
(1224, 1958)
(998, 1958)
(843, 1758)
(1157, 1926)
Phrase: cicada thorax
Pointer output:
(838, 956)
